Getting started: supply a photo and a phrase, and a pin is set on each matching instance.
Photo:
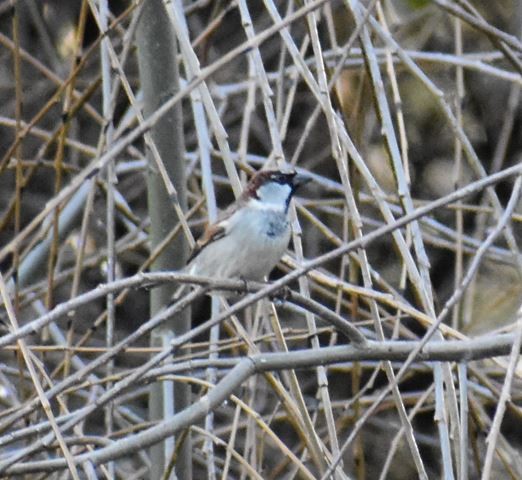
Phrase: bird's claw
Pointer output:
(245, 285)
(281, 296)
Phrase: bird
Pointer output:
(250, 236)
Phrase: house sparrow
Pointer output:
(252, 234)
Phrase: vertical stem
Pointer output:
(18, 150)
(459, 220)
(110, 176)
(159, 76)
(463, 473)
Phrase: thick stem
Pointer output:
(159, 76)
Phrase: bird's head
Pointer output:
(274, 188)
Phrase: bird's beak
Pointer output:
(299, 180)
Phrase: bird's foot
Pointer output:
(281, 296)
(244, 290)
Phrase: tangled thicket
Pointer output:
(385, 344)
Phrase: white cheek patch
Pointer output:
(274, 194)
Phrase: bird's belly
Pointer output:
(258, 244)
(259, 257)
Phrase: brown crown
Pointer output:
(264, 176)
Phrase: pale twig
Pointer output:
(210, 437)
(353, 289)
(471, 155)
(475, 263)
(196, 74)
(24, 55)
(505, 396)
(514, 356)
(463, 351)
(407, 205)
(107, 138)
(309, 265)
(143, 127)
(398, 437)
(204, 144)
(433, 328)
(340, 58)
(41, 396)
(102, 359)
(480, 24)
(245, 367)
(303, 286)
(457, 172)
(120, 386)
(463, 473)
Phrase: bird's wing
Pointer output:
(211, 234)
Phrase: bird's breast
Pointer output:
(276, 228)
(264, 237)
(254, 242)
(267, 226)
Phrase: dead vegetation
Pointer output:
(386, 344)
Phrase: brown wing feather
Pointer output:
(211, 234)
